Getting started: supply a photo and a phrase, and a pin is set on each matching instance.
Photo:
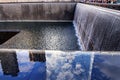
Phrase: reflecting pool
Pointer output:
(59, 65)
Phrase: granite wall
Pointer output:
(97, 28)
(37, 11)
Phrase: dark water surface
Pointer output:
(58, 65)
(41, 35)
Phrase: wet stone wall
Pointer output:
(37, 11)
(97, 28)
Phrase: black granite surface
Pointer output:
(41, 35)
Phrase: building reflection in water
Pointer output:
(9, 63)
(37, 56)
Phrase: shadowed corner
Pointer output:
(5, 35)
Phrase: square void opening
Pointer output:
(5, 35)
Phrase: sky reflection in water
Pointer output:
(58, 65)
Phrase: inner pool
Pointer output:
(39, 35)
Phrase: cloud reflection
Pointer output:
(107, 67)
(64, 66)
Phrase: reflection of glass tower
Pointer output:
(9, 63)
(37, 56)
(39, 67)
